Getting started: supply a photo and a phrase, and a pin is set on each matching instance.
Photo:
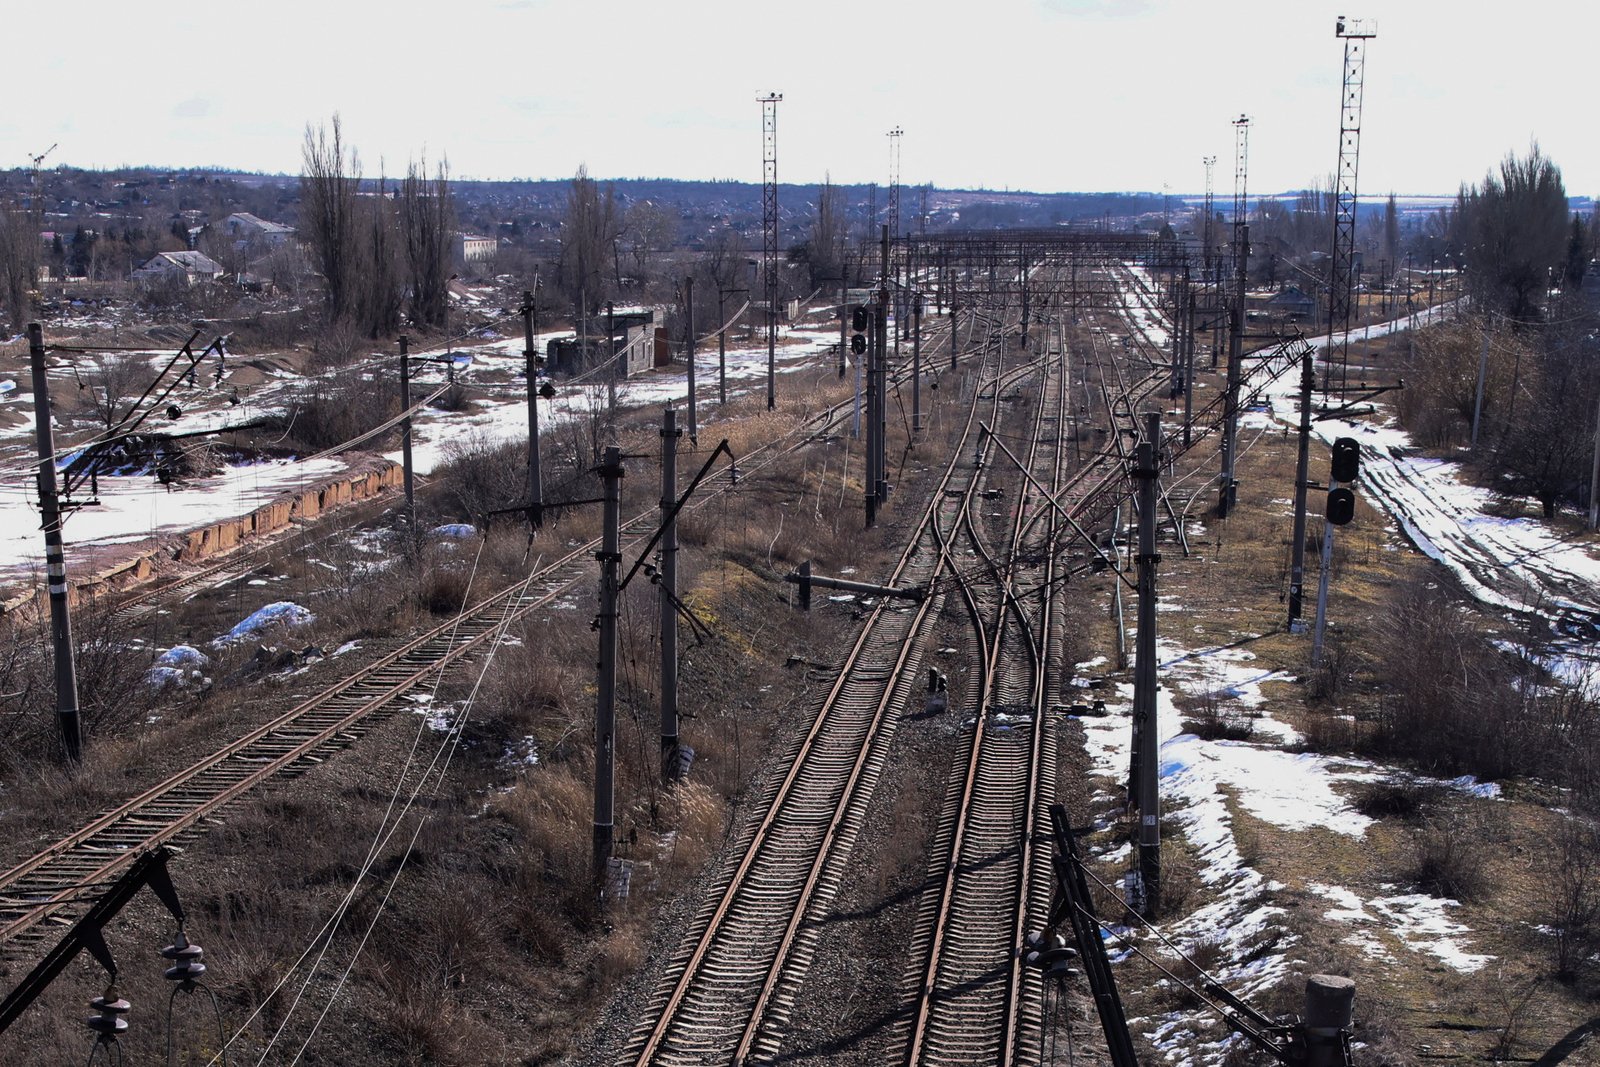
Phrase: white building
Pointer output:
(243, 226)
(471, 248)
(185, 267)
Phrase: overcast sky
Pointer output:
(1021, 94)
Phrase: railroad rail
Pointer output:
(730, 989)
(58, 883)
(968, 997)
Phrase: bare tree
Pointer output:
(827, 233)
(381, 289)
(652, 229)
(1514, 231)
(429, 219)
(111, 386)
(589, 230)
(328, 182)
(1571, 897)
(19, 263)
(1391, 233)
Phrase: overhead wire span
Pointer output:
(385, 832)
(448, 749)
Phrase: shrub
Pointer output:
(1209, 716)
(1396, 799)
(1448, 859)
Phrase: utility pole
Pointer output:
(1328, 529)
(844, 319)
(1188, 371)
(610, 557)
(54, 555)
(877, 487)
(1594, 478)
(871, 363)
(722, 345)
(611, 362)
(1177, 341)
(1302, 471)
(530, 362)
(688, 302)
(1147, 463)
(1483, 372)
(916, 363)
(769, 234)
(405, 431)
(669, 594)
(1229, 490)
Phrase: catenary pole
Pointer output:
(54, 554)
(668, 605)
(688, 300)
(916, 363)
(405, 432)
(610, 557)
(1147, 463)
(530, 363)
(1318, 630)
(1302, 471)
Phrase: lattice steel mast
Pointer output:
(1229, 489)
(1341, 260)
(894, 182)
(1209, 229)
(769, 234)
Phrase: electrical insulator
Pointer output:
(185, 957)
(110, 1009)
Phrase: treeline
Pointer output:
(1527, 332)
(383, 255)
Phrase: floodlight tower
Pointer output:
(1241, 171)
(894, 181)
(1341, 277)
(1229, 489)
(1209, 231)
(769, 233)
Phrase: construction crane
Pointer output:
(38, 159)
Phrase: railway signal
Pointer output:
(1346, 459)
(1340, 509)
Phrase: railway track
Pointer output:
(967, 992)
(730, 989)
(53, 887)
(969, 1000)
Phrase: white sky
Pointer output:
(1036, 94)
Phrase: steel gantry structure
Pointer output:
(1341, 260)
(996, 264)
(769, 233)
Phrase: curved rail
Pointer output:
(731, 988)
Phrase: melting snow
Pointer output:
(284, 613)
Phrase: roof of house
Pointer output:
(194, 262)
(261, 224)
